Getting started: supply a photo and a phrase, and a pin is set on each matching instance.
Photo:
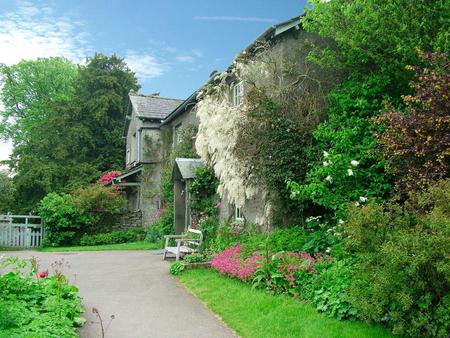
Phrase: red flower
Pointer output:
(43, 274)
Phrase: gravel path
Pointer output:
(136, 288)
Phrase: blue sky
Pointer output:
(172, 45)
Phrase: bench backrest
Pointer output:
(196, 241)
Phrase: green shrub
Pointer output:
(63, 220)
(102, 203)
(176, 268)
(403, 277)
(113, 237)
(195, 258)
(31, 306)
(162, 226)
(329, 287)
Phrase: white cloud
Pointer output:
(146, 66)
(198, 53)
(31, 32)
(235, 18)
(185, 58)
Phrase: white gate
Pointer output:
(20, 231)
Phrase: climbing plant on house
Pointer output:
(284, 100)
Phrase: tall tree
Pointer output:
(29, 89)
(102, 95)
(6, 192)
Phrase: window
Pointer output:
(237, 93)
(238, 215)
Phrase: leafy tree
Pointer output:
(6, 192)
(29, 89)
(373, 42)
(102, 97)
(416, 141)
(375, 36)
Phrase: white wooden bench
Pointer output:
(184, 244)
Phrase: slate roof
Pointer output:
(186, 167)
(153, 107)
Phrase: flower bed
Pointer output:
(35, 303)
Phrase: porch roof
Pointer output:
(185, 168)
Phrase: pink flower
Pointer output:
(43, 274)
(218, 205)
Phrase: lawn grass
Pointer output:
(143, 245)
(256, 313)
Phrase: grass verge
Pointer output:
(124, 246)
(255, 313)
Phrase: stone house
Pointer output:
(149, 116)
(142, 176)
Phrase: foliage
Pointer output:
(162, 226)
(29, 90)
(374, 37)
(176, 268)
(230, 262)
(63, 220)
(7, 191)
(343, 165)
(113, 237)
(255, 313)
(68, 128)
(195, 257)
(109, 178)
(402, 279)
(283, 101)
(203, 190)
(329, 288)
(103, 204)
(101, 92)
(34, 304)
(416, 140)
(89, 210)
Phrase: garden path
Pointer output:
(136, 288)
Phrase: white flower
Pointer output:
(325, 154)
(329, 179)
(354, 163)
(357, 204)
(350, 172)
(328, 250)
(341, 221)
(325, 163)
(362, 199)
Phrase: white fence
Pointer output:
(20, 231)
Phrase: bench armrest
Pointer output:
(174, 236)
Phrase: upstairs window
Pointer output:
(237, 93)
(238, 215)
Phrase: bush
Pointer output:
(176, 268)
(403, 277)
(162, 226)
(230, 262)
(63, 220)
(195, 258)
(329, 287)
(33, 306)
(114, 237)
(103, 204)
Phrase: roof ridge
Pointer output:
(154, 97)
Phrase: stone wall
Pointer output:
(130, 219)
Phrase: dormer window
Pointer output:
(237, 93)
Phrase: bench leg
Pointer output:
(178, 250)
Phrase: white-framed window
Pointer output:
(238, 215)
(237, 93)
